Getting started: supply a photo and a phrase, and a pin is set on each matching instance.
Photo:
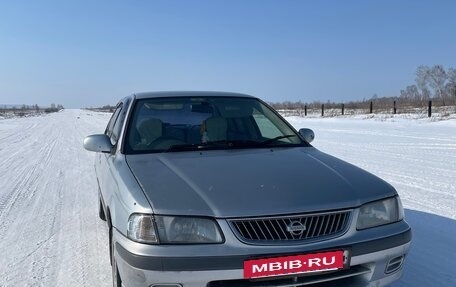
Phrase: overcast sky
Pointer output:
(92, 53)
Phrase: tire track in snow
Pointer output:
(26, 180)
(22, 198)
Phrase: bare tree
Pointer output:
(437, 79)
(452, 76)
(411, 94)
(451, 86)
(422, 75)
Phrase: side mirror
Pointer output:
(98, 143)
(307, 134)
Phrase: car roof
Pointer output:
(146, 95)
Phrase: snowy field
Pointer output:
(50, 234)
(418, 157)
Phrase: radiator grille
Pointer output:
(291, 228)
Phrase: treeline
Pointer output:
(22, 110)
(53, 108)
(106, 108)
(431, 84)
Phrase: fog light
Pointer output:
(394, 264)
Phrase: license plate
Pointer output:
(296, 264)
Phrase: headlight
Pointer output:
(187, 230)
(380, 213)
(173, 229)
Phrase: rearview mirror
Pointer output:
(98, 143)
(307, 134)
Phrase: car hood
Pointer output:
(252, 182)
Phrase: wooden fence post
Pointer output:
(370, 108)
(343, 107)
(305, 110)
(430, 109)
(322, 110)
(394, 107)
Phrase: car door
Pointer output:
(106, 161)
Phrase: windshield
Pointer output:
(195, 123)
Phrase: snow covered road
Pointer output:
(50, 234)
(49, 231)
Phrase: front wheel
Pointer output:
(116, 280)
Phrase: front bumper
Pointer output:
(222, 264)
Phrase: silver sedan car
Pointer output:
(217, 189)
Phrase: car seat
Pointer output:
(150, 130)
(216, 128)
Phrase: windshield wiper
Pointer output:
(233, 143)
(221, 144)
(185, 147)
(273, 140)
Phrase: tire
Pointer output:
(116, 280)
(101, 212)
